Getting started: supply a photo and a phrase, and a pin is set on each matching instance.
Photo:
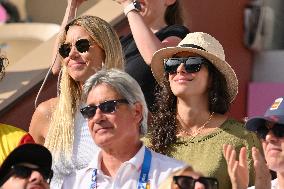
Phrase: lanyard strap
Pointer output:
(144, 175)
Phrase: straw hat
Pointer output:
(204, 45)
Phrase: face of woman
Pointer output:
(184, 84)
(81, 65)
(152, 10)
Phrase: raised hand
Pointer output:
(238, 170)
(262, 174)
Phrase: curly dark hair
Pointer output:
(173, 14)
(3, 63)
(163, 130)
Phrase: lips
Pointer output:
(75, 64)
(36, 187)
(181, 79)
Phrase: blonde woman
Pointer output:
(87, 45)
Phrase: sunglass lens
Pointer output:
(22, 172)
(185, 182)
(88, 112)
(208, 183)
(262, 131)
(192, 68)
(193, 64)
(108, 106)
(46, 174)
(64, 50)
(278, 130)
(82, 45)
(171, 65)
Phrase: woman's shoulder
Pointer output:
(238, 132)
(47, 106)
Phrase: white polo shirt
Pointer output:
(127, 175)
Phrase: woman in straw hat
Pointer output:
(190, 124)
(88, 44)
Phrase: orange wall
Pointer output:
(224, 20)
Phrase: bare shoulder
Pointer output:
(41, 119)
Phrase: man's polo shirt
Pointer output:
(128, 173)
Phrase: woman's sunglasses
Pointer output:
(191, 64)
(106, 107)
(187, 182)
(22, 171)
(277, 130)
(82, 45)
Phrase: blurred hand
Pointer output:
(124, 2)
(238, 170)
(262, 174)
(76, 3)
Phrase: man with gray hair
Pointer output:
(117, 117)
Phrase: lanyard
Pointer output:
(144, 175)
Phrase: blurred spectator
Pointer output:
(270, 128)
(28, 166)
(10, 137)
(10, 12)
(187, 178)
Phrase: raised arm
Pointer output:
(70, 13)
(145, 39)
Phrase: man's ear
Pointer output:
(169, 2)
(138, 112)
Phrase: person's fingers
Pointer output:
(243, 157)
(232, 158)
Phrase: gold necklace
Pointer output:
(183, 132)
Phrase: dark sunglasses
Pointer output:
(82, 45)
(187, 182)
(106, 107)
(277, 130)
(191, 64)
(24, 172)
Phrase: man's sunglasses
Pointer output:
(187, 182)
(22, 171)
(106, 107)
(82, 45)
(277, 130)
(191, 64)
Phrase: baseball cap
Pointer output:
(275, 114)
(27, 153)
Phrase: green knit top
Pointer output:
(205, 152)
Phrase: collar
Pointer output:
(136, 160)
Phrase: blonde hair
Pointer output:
(3, 63)
(60, 136)
(167, 184)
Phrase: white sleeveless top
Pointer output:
(84, 148)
